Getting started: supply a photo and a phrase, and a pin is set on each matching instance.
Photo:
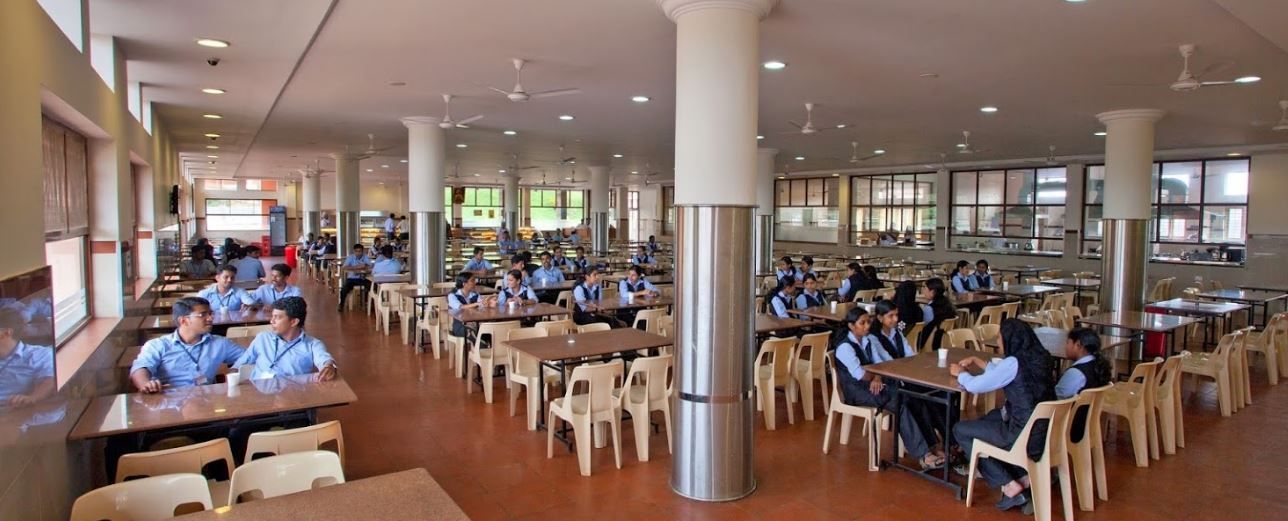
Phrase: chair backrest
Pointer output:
(650, 371)
(830, 361)
(387, 290)
(666, 325)
(1056, 318)
(497, 330)
(1084, 275)
(247, 331)
(556, 327)
(565, 300)
(1052, 301)
(189, 459)
(521, 363)
(1071, 316)
(963, 338)
(303, 439)
(885, 294)
(814, 344)
(1092, 401)
(144, 499)
(1162, 290)
(595, 326)
(777, 354)
(286, 474)
(989, 315)
(1167, 380)
(866, 295)
(649, 318)
(1145, 373)
(1050, 274)
(912, 333)
(435, 308)
(601, 380)
(986, 332)
(443, 285)
(1057, 413)
(1010, 309)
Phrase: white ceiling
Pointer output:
(1047, 64)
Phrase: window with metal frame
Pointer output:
(1017, 209)
(898, 205)
(805, 210)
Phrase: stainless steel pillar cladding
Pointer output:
(1124, 254)
(312, 223)
(714, 353)
(764, 244)
(427, 247)
(599, 231)
(346, 232)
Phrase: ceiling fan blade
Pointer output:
(553, 93)
(469, 120)
(500, 91)
(1216, 83)
(1213, 69)
(795, 124)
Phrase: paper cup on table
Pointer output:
(943, 355)
(232, 379)
(630, 298)
(834, 306)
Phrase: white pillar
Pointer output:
(311, 202)
(1129, 163)
(426, 164)
(717, 82)
(599, 208)
(511, 200)
(764, 260)
(347, 204)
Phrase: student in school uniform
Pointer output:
(886, 334)
(386, 264)
(515, 290)
(287, 350)
(587, 295)
(223, 295)
(636, 284)
(1024, 376)
(851, 284)
(249, 267)
(653, 246)
(26, 371)
(581, 263)
(188, 356)
(810, 296)
(464, 297)
(936, 312)
(807, 268)
(478, 265)
(558, 260)
(355, 267)
(786, 269)
(783, 298)
(855, 350)
(391, 227)
(199, 266)
(642, 257)
(277, 287)
(871, 277)
(1090, 370)
(983, 278)
(962, 282)
(547, 275)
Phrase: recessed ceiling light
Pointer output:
(879, 151)
(640, 99)
(212, 162)
(800, 158)
(212, 116)
(775, 65)
(212, 147)
(619, 156)
(402, 160)
(566, 117)
(211, 90)
(782, 177)
(961, 145)
(567, 179)
(462, 145)
(384, 166)
(476, 175)
(510, 133)
(212, 156)
(1101, 134)
(988, 109)
(211, 42)
(929, 75)
(836, 175)
(1234, 154)
(500, 171)
(758, 138)
(370, 170)
(211, 135)
(1075, 1)
(1247, 79)
(842, 125)
(572, 162)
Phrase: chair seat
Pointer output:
(1124, 394)
(802, 370)
(1201, 363)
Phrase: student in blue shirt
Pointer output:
(223, 295)
(962, 281)
(810, 296)
(587, 294)
(547, 273)
(852, 283)
(199, 266)
(189, 356)
(807, 268)
(287, 350)
(983, 279)
(558, 260)
(886, 334)
(354, 268)
(581, 263)
(653, 246)
(464, 297)
(786, 269)
(277, 287)
(503, 242)
(249, 268)
(642, 257)
(858, 387)
(478, 265)
(783, 298)
(515, 290)
(1024, 376)
(636, 284)
(26, 371)
(386, 264)
(1090, 369)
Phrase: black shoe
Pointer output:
(1018, 500)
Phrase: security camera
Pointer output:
(212, 61)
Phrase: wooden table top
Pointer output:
(1198, 307)
(1138, 321)
(498, 313)
(1243, 295)
(1023, 268)
(825, 312)
(387, 278)
(1021, 290)
(181, 406)
(1069, 282)
(924, 369)
(768, 323)
(974, 298)
(415, 293)
(410, 494)
(242, 317)
(1053, 339)
(610, 304)
(556, 286)
(594, 343)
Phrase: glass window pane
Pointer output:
(964, 220)
(784, 193)
(1019, 187)
(1095, 184)
(252, 184)
(964, 187)
(1050, 221)
(1018, 221)
(926, 188)
(1093, 228)
(1180, 183)
(575, 199)
(1225, 224)
(988, 220)
(1226, 181)
(217, 206)
(67, 263)
(1178, 223)
(814, 192)
(925, 219)
(991, 187)
(798, 192)
(1051, 186)
(860, 191)
(881, 191)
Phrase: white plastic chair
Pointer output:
(188, 459)
(1215, 365)
(592, 327)
(1167, 403)
(289, 441)
(144, 499)
(1055, 456)
(430, 324)
(486, 359)
(774, 370)
(556, 327)
(870, 416)
(523, 373)
(584, 410)
(386, 301)
(286, 474)
(1087, 453)
(247, 331)
(808, 370)
(1272, 343)
(1134, 400)
(643, 392)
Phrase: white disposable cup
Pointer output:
(233, 379)
(834, 306)
(630, 297)
(513, 304)
(943, 355)
(1005, 285)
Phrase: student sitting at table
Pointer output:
(859, 388)
(354, 268)
(223, 295)
(587, 294)
(962, 281)
(936, 312)
(26, 371)
(807, 268)
(1090, 368)
(515, 290)
(277, 288)
(887, 334)
(1025, 378)
(642, 257)
(851, 284)
(199, 266)
(558, 260)
(911, 312)
(983, 279)
(810, 296)
(786, 269)
(464, 297)
(287, 350)
(783, 298)
(547, 273)
(872, 278)
(581, 263)
(529, 267)
(189, 356)
(653, 246)
(386, 264)
(478, 265)
(249, 267)
(635, 284)
(503, 242)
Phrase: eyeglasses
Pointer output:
(201, 315)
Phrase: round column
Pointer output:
(511, 200)
(311, 203)
(764, 252)
(347, 203)
(599, 208)
(1129, 163)
(717, 81)
(426, 160)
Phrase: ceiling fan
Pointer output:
(1187, 81)
(565, 159)
(808, 128)
(371, 150)
(964, 146)
(514, 167)
(447, 123)
(854, 154)
(943, 163)
(1282, 125)
(1050, 159)
(517, 94)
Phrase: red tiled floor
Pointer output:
(412, 413)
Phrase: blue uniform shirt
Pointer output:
(645, 259)
(895, 338)
(232, 301)
(625, 286)
(26, 366)
(523, 292)
(997, 374)
(580, 263)
(963, 284)
(248, 268)
(1072, 381)
(779, 304)
(983, 280)
(793, 272)
(806, 299)
(178, 364)
(353, 261)
(549, 275)
(385, 266)
(848, 358)
(478, 265)
(268, 294)
(585, 292)
(195, 268)
(272, 356)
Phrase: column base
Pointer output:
(599, 232)
(346, 232)
(764, 244)
(1124, 256)
(427, 247)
